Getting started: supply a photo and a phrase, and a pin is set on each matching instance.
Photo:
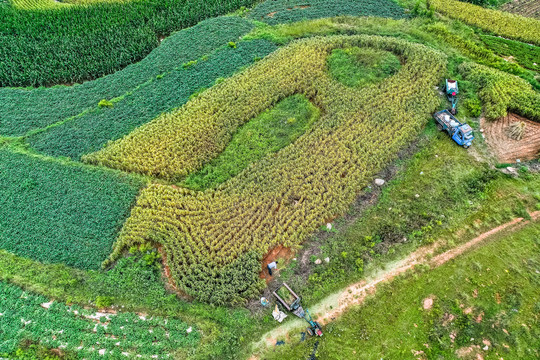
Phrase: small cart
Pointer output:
(290, 301)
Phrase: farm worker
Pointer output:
(272, 265)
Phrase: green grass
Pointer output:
(58, 212)
(267, 133)
(358, 67)
(498, 282)
(455, 194)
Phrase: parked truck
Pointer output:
(460, 132)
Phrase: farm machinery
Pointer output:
(451, 89)
(290, 301)
(460, 132)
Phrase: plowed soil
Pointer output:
(529, 8)
(506, 149)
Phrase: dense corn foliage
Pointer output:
(24, 110)
(85, 333)
(498, 22)
(61, 213)
(501, 92)
(90, 131)
(76, 43)
(285, 196)
(281, 11)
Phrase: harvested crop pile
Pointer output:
(284, 197)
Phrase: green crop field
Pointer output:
(156, 155)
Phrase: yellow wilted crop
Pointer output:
(284, 197)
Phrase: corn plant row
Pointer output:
(55, 212)
(91, 41)
(284, 11)
(92, 130)
(26, 316)
(26, 110)
(498, 22)
(501, 92)
(51, 4)
(284, 197)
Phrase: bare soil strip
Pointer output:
(334, 305)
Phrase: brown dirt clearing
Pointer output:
(506, 149)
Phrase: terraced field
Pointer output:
(153, 153)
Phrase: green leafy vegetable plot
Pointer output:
(61, 213)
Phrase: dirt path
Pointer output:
(334, 305)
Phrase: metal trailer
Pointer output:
(296, 308)
(460, 132)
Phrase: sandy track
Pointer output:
(334, 305)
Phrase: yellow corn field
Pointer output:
(285, 196)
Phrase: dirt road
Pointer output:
(332, 306)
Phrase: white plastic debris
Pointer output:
(327, 259)
(189, 330)
(329, 226)
(278, 315)
(46, 305)
(379, 182)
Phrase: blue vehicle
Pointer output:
(460, 132)
(452, 91)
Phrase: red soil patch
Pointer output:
(169, 282)
(507, 149)
(279, 252)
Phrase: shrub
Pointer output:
(105, 103)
